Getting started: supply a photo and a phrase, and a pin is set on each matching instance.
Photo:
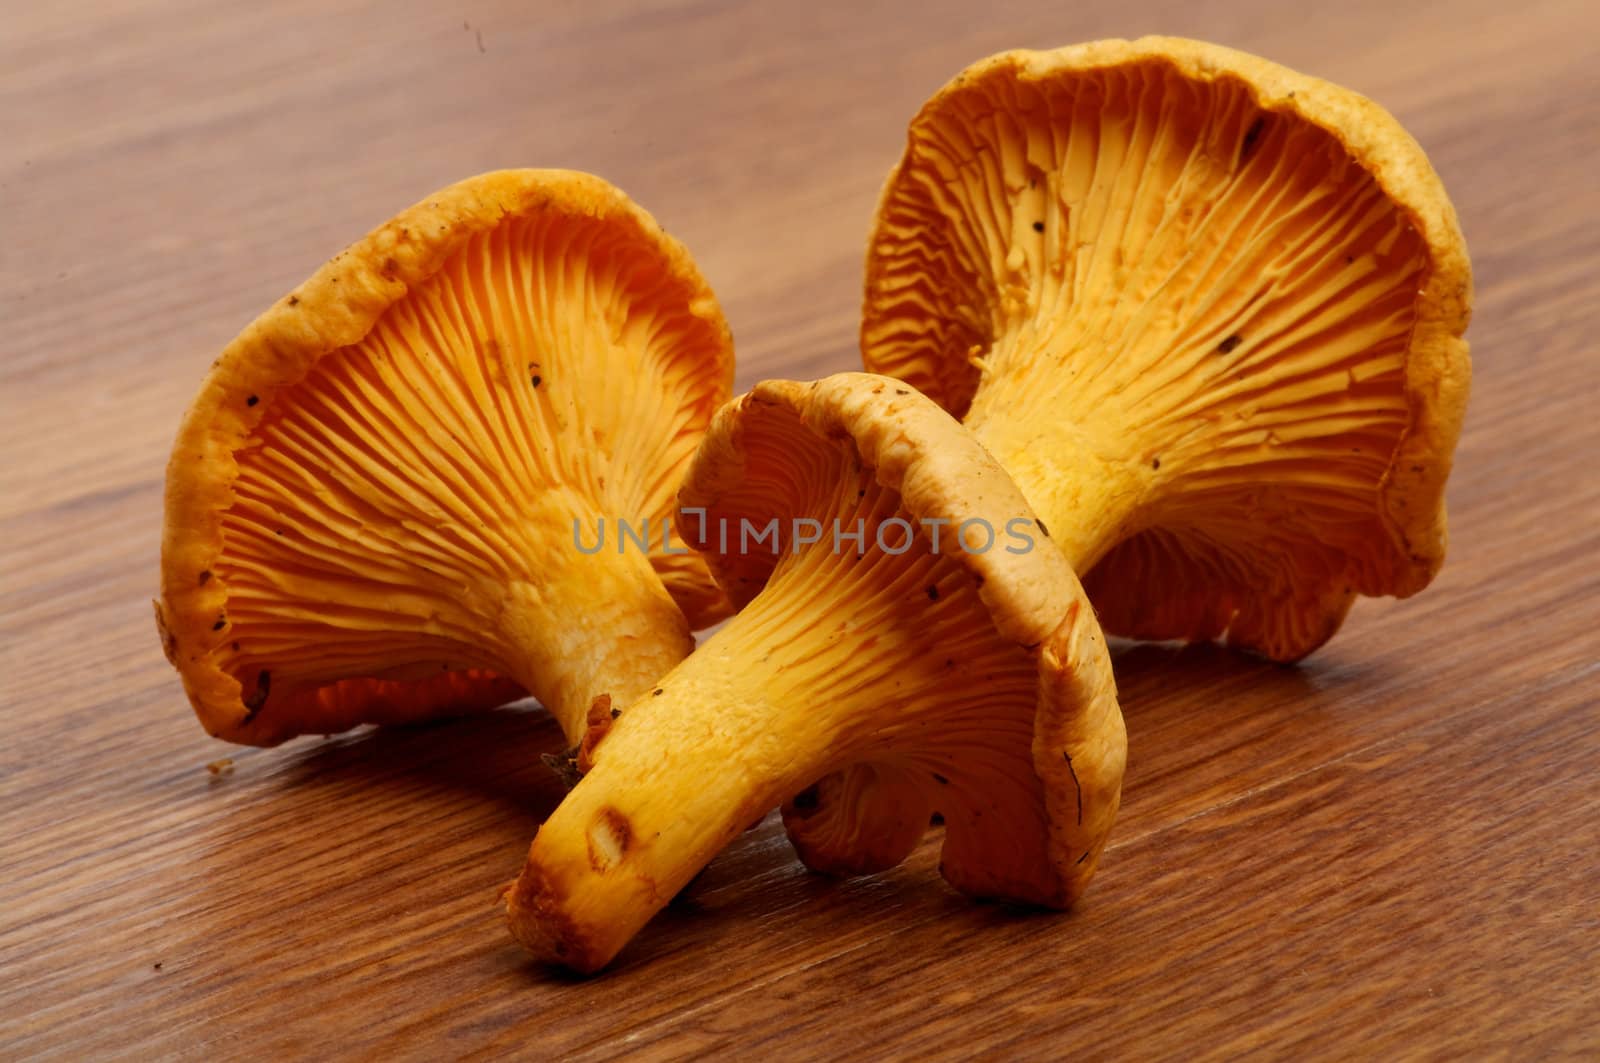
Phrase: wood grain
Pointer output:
(1391, 851)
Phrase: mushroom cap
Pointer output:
(1234, 292)
(318, 453)
(750, 468)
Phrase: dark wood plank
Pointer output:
(1391, 850)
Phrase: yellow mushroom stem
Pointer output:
(1088, 505)
(885, 660)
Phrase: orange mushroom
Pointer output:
(903, 617)
(385, 501)
(1206, 310)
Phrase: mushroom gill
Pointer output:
(392, 486)
(1207, 311)
(971, 684)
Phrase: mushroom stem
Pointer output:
(1089, 501)
(843, 658)
(675, 780)
(603, 625)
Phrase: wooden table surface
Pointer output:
(1393, 849)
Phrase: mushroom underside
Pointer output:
(891, 646)
(425, 501)
(1175, 285)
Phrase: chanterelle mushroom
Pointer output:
(1207, 311)
(962, 674)
(385, 501)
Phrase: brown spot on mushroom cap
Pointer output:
(1236, 209)
(805, 802)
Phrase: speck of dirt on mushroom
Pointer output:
(1252, 137)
